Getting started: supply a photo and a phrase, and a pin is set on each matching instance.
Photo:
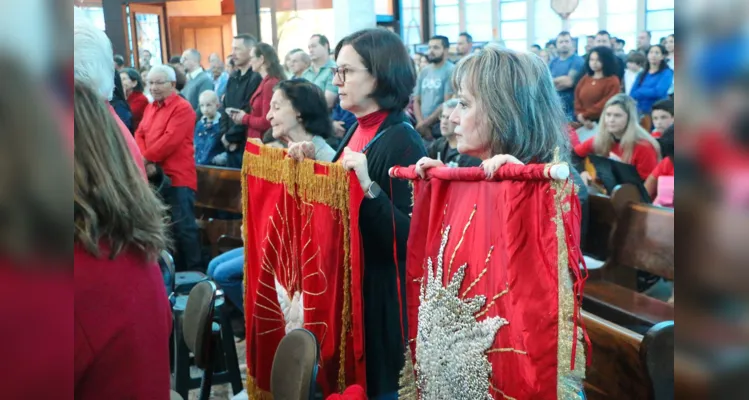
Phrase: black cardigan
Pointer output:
(400, 145)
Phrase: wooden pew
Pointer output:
(603, 215)
(219, 189)
(642, 240)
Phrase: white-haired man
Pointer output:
(165, 137)
(198, 81)
(219, 74)
(94, 65)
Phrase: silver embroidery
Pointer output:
(451, 345)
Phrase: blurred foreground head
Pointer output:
(34, 170)
(94, 63)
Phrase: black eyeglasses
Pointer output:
(342, 71)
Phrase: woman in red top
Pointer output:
(122, 317)
(621, 138)
(660, 183)
(263, 60)
(595, 88)
(132, 83)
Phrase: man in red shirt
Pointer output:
(165, 138)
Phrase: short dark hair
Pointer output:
(607, 58)
(535, 46)
(247, 39)
(468, 36)
(445, 41)
(119, 60)
(621, 42)
(591, 36)
(667, 142)
(637, 58)
(135, 77)
(387, 60)
(666, 105)
(604, 32)
(175, 60)
(322, 39)
(309, 101)
(551, 43)
(564, 33)
(650, 35)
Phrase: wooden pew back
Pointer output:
(219, 189)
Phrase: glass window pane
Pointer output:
(659, 4)
(659, 20)
(621, 6)
(625, 23)
(513, 30)
(478, 13)
(657, 35)
(512, 11)
(583, 28)
(547, 23)
(482, 32)
(446, 15)
(517, 45)
(446, 2)
(586, 9)
(451, 31)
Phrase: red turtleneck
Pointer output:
(367, 129)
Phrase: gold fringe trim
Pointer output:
(301, 182)
(407, 389)
(569, 382)
(255, 393)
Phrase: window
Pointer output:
(584, 22)
(478, 17)
(547, 23)
(411, 22)
(621, 21)
(447, 18)
(96, 15)
(659, 18)
(513, 24)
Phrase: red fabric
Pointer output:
(138, 103)
(130, 141)
(657, 134)
(591, 95)
(664, 168)
(122, 325)
(574, 138)
(36, 341)
(256, 122)
(165, 136)
(644, 156)
(367, 129)
(300, 243)
(354, 392)
(514, 223)
(718, 153)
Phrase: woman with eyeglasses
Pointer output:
(375, 78)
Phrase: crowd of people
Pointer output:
(485, 107)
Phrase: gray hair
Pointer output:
(166, 70)
(452, 103)
(514, 90)
(93, 56)
(195, 54)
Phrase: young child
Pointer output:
(207, 131)
(636, 62)
(660, 183)
(663, 116)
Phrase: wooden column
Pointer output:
(248, 17)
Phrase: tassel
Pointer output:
(407, 382)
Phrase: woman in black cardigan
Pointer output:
(375, 78)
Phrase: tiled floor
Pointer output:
(223, 392)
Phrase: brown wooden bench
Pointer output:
(219, 189)
(642, 240)
(603, 215)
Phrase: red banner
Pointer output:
(303, 265)
(490, 274)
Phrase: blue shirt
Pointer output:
(219, 84)
(339, 114)
(207, 140)
(559, 67)
(652, 88)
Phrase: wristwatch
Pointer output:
(373, 190)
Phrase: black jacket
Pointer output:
(440, 150)
(239, 89)
(384, 348)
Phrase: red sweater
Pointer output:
(165, 136)
(256, 120)
(131, 145)
(366, 130)
(591, 95)
(122, 325)
(138, 103)
(644, 156)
